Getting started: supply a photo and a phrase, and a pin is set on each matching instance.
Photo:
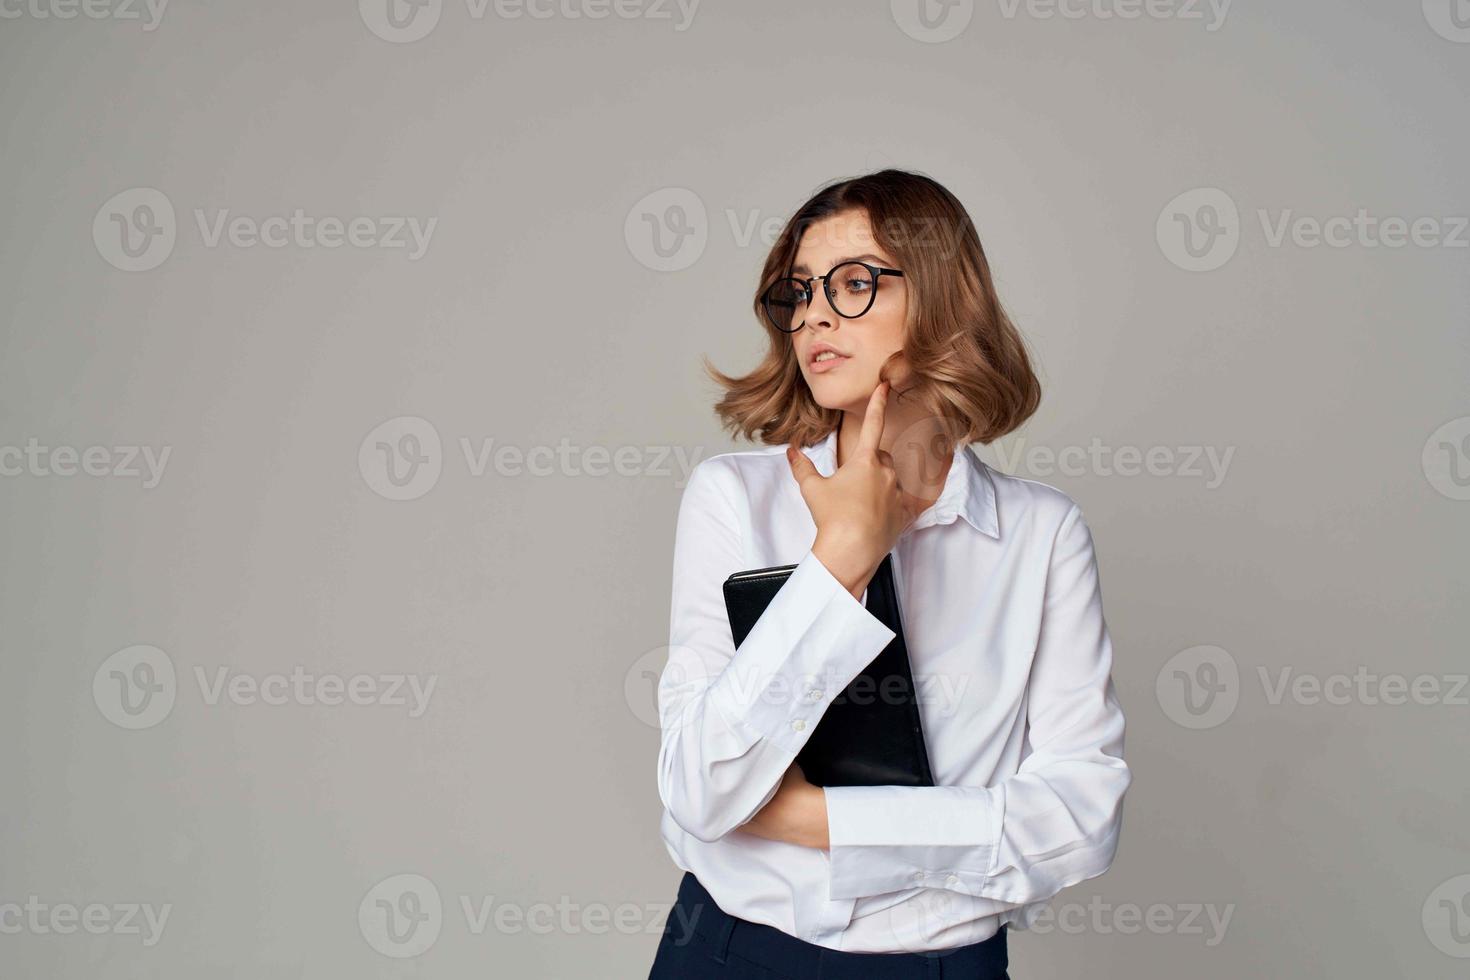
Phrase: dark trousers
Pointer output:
(722, 946)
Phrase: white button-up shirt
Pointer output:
(1002, 614)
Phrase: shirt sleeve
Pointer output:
(1052, 824)
(734, 720)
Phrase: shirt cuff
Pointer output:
(890, 838)
(807, 646)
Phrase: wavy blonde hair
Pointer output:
(968, 363)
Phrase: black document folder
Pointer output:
(870, 734)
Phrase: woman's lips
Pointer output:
(827, 364)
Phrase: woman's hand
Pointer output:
(797, 813)
(860, 510)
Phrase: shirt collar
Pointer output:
(969, 490)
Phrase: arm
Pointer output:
(733, 721)
(1056, 821)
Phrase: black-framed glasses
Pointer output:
(851, 288)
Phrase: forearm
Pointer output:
(797, 814)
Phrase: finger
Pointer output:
(801, 466)
(872, 429)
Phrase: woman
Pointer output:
(889, 353)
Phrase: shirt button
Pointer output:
(814, 695)
(951, 880)
(798, 725)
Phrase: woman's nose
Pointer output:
(819, 310)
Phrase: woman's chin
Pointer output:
(835, 395)
(834, 402)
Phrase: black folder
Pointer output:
(870, 734)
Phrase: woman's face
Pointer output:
(862, 345)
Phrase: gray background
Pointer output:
(1334, 835)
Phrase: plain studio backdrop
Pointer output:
(350, 379)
